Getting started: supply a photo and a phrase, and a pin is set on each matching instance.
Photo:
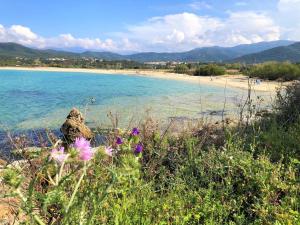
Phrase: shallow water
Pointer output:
(33, 99)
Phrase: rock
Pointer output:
(74, 127)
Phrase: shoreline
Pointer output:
(233, 81)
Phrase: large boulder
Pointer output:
(74, 127)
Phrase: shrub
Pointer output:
(173, 180)
(181, 68)
(278, 135)
(209, 70)
(233, 66)
(274, 71)
(287, 104)
(148, 177)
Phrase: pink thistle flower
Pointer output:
(108, 151)
(84, 148)
(58, 155)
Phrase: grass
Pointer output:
(247, 174)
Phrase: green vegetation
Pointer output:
(273, 70)
(75, 63)
(181, 68)
(209, 70)
(246, 174)
(200, 69)
(282, 53)
(233, 66)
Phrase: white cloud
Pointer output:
(247, 27)
(23, 32)
(174, 32)
(184, 31)
(17, 33)
(23, 35)
(288, 5)
(288, 18)
(171, 32)
(197, 5)
(68, 41)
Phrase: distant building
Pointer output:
(163, 63)
(156, 63)
(56, 59)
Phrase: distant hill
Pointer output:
(260, 46)
(103, 55)
(283, 53)
(209, 54)
(205, 54)
(16, 50)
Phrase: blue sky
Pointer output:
(143, 25)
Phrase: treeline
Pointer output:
(200, 69)
(7, 61)
(74, 63)
(99, 64)
(284, 71)
(273, 71)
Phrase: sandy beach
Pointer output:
(234, 81)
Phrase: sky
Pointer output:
(142, 25)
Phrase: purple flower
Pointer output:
(119, 141)
(108, 150)
(58, 155)
(81, 143)
(135, 131)
(84, 148)
(138, 149)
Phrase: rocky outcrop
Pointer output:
(74, 127)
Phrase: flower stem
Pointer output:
(61, 169)
(76, 189)
(35, 217)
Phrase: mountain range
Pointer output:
(281, 50)
(283, 53)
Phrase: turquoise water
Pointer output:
(32, 99)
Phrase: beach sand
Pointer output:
(234, 81)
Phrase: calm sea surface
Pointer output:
(33, 100)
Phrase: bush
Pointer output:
(250, 176)
(278, 135)
(233, 66)
(287, 104)
(181, 68)
(209, 70)
(275, 71)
